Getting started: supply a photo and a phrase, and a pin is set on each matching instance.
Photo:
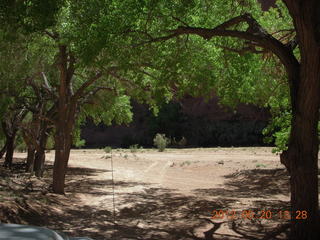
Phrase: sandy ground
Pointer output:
(177, 194)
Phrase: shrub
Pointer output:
(161, 142)
(134, 148)
(107, 149)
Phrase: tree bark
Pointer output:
(9, 151)
(3, 150)
(30, 136)
(10, 128)
(39, 162)
(301, 158)
(40, 153)
(63, 141)
(30, 159)
(66, 114)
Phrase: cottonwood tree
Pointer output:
(25, 88)
(88, 56)
(38, 128)
(12, 109)
(91, 60)
(10, 126)
(298, 49)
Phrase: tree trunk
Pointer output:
(301, 158)
(9, 150)
(10, 129)
(40, 154)
(66, 114)
(3, 150)
(62, 152)
(30, 159)
(30, 136)
(39, 162)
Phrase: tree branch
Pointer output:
(79, 93)
(179, 20)
(53, 35)
(89, 94)
(254, 33)
(243, 50)
(47, 86)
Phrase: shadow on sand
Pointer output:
(162, 214)
(156, 213)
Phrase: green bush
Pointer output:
(161, 142)
(134, 148)
(278, 131)
(107, 149)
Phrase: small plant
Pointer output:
(187, 163)
(107, 149)
(161, 142)
(134, 148)
(259, 165)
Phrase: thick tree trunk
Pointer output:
(9, 151)
(66, 114)
(30, 159)
(62, 152)
(301, 158)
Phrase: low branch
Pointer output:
(255, 33)
(293, 43)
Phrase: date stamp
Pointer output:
(260, 214)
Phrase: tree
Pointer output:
(85, 57)
(10, 127)
(12, 109)
(89, 59)
(300, 56)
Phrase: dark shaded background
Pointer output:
(201, 123)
